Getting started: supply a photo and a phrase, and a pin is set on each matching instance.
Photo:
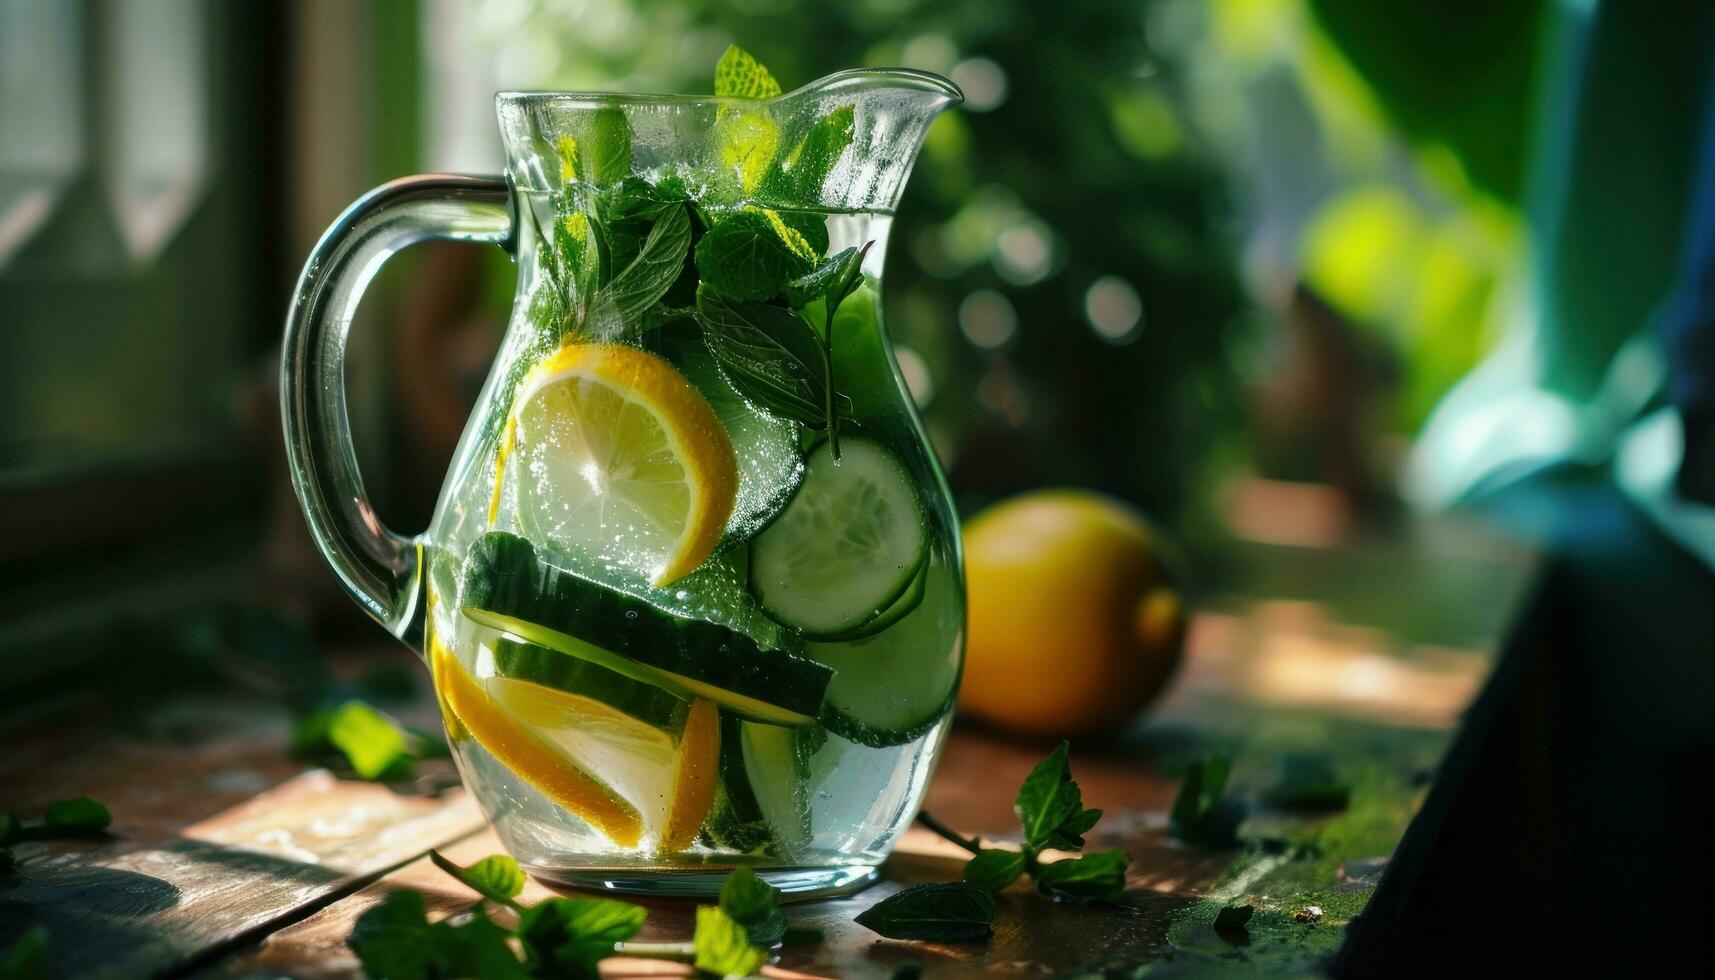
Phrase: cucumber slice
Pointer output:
(775, 761)
(735, 822)
(899, 610)
(506, 587)
(892, 687)
(648, 703)
(847, 546)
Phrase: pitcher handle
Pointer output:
(380, 568)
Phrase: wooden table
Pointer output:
(231, 860)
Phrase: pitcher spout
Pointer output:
(877, 119)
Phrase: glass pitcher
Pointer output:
(692, 594)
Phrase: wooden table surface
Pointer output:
(230, 859)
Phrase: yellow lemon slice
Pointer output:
(617, 457)
(538, 761)
(694, 777)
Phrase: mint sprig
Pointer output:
(560, 937)
(1051, 810)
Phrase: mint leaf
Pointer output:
(824, 280)
(392, 939)
(752, 255)
(932, 913)
(722, 945)
(28, 959)
(476, 948)
(567, 937)
(755, 905)
(1308, 781)
(1050, 806)
(601, 149)
(1098, 877)
(770, 355)
(374, 744)
(497, 877)
(622, 302)
(994, 870)
(738, 75)
(1200, 814)
(805, 168)
(77, 816)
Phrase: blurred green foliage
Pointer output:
(1457, 72)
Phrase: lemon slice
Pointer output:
(534, 759)
(696, 772)
(618, 458)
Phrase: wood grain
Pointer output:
(138, 909)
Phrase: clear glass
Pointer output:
(651, 672)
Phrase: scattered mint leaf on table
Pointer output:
(752, 255)
(28, 958)
(392, 939)
(476, 948)
(722, 945)
(79, 815)
(738, 75)
(994, 870)
(1098, 877)
(1051, 808)
(567, 937)
(755, 905)
(1201, 814)
(951, 912)
(496, 878)
(374, 744)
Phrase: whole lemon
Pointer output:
(1074, 621)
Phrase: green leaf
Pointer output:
(567, 937)
(1233, 916)
(822, 281)
(603, 146)
(1308, 781)
(752, 255)
(374, 744)
(994, 870)
(755, 905)
(7, 860)
(393, 942)
(769, 355)
(477, 948)
(496, 877)
(1050, 806)
(1098, 877)
(801, 172)
(738, 75)
(723, 947)
(1200, 814)
(932, 913)
(81, 815)
(623, 302)
(29, 958)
